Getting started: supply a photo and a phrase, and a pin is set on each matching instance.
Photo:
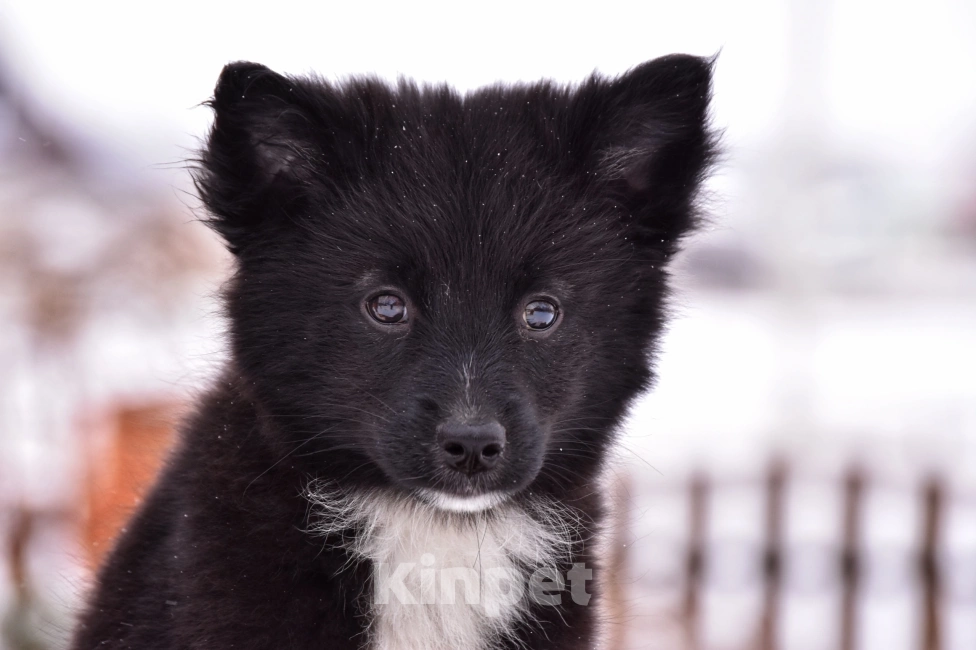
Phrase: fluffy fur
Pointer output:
(467, 207)
(390, 530)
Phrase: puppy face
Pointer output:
(453, 296)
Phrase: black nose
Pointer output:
(471, 448)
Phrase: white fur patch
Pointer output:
(444, 578)
(453, 503)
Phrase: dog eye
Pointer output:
(387, 308)
(540, 314)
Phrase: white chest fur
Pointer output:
(444, 580)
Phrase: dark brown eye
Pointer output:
(388, 308)
(540, 314)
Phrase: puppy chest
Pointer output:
(437, 586)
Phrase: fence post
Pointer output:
(695, 561)
(851, 556)
(934, 493)
(773, 555)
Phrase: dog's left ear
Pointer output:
(652, 144)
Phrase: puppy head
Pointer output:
(450, 295)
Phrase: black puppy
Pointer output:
(442, 308)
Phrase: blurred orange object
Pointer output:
(127, 451)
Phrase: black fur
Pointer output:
(467, 206)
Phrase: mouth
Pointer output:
(454, 503)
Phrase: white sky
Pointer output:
(898, 78)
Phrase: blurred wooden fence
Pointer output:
(849, 560)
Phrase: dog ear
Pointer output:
(272, 137)
(653, 145)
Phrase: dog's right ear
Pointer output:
(272, 137)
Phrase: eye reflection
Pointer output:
(388, 308)
(540, 314)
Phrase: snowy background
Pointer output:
(826, 318)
